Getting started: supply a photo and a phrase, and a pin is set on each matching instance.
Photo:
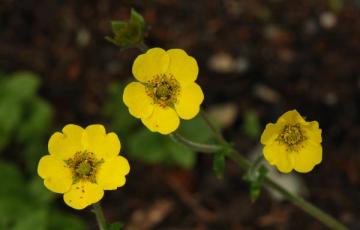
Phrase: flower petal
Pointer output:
(162, 120)
(189, 100)
(306, 159)
(270, 133)
(57, 175)
(313, 132)
(277, 155)
(153, 62)
(111, 174)
(139, 103)
(101, 144)
(65, 145)
(184, 67)
(291, 117)
(83, 194)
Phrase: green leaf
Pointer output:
(10, 116)
(155, 148)
(219, 164)
(195, 129)
(115, 226)
(38, 192)
(37, 123)
(11, 180)
(181, 155)
(36, 219)
(116, 112)
(147, 147)
(22, 85)
(251, 126)
(60, 221)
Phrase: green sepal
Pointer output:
(255, 178)
(128, 33)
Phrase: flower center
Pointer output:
(163, 89)
(292, 136)
(84, 166)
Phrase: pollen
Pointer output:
(84, 166)
(292, 136)
(164, 89)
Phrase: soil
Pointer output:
(267, 57)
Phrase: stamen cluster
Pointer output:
(84, 166)
(292, 136)
(163, 89)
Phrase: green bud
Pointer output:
(128, 33)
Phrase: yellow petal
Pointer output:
(184, 67)
(189, 100)
(308, 157)
(83, 194)
(313, 132)
(65, 145)
(162, 120)
(277, 155)
(101, 144)
(111, 174)
(139, 103)
(155, 61)
(57, 176)
(270, 133)
(291, 117)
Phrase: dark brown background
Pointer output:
(289, 54)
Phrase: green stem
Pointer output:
(215, 131)
(205, 148)
(143, 47)
(100, 218)
(241, 161)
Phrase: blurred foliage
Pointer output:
(336, 5)
(151, 147)
(219, 164)
(128, 34)
(25, 124)
(251, 125)
(255, 177)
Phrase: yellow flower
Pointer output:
(166, 89)
(292, 143)
(82, 164)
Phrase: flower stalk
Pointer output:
(243, 163)
(100, 218)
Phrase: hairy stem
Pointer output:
(243, 163)
(100, 218)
